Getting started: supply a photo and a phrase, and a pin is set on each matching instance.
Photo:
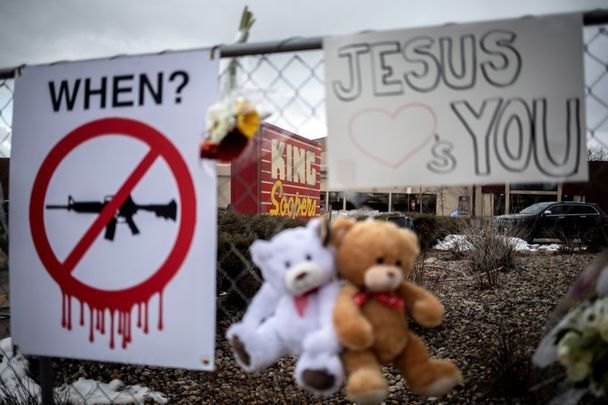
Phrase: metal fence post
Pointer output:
(45, 368)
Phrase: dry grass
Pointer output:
(510, 364)
(422, 276)
(488, 251)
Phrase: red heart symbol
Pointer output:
(413, 126)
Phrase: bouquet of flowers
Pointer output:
(230, 126)
(232, 122)
(579, 342)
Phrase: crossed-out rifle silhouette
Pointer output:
(124, 214)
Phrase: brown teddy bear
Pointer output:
(375, 259)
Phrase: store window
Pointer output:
(401, 202)
(534, 186)
(335, 200)
(372, 201)
(566, 197)
(520, 201)
(426, 203)
(498, 204)
(463, 205)
(429, 203)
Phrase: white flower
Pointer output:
(595, 318)
(576, 360)
(220, 120)
(580, 370)
(596, 389)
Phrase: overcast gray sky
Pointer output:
(41, 31)
(50, 30)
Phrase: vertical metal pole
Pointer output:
(507, 198)
(473, 198)
(46, 380)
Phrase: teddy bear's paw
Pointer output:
(320, 373)
(319, 379)
(446, 377)
(366, 386)
(238, 348)
(428, 313)
(357, 335)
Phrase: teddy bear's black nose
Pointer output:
(301, 276)
(390, 274)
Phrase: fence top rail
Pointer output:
(593, 17)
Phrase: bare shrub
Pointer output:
(488, 250)
(581, 240)
(418, 273)
(17, 395)
(510, 363)
(570, 242)
(487, 279)
(422, 276)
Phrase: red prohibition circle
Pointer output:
(161, 147)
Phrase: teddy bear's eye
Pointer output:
(398, 263)
(308, 257)
(287, 264)
(380, 260)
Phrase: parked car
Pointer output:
(402, 221)
(559, 220)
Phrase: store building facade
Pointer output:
(466, 200)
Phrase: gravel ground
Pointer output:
(496, 370)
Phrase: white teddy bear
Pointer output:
(292, 312)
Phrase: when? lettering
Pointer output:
(116, 91)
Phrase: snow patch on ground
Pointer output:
(459, 243)
(85, 391)
(15, 378)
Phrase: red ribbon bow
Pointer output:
(390, 299)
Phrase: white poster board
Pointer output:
(112, 214)
(490, 102)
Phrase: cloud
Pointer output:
(34, 31)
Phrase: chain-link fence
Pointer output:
(290, 87)
(596, 84)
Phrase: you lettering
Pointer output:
(515, 130)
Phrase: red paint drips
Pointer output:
(146, 318)
(81, 313)
(63, 311)
(160, 311)
(91, 333)
(117, 303)
(111, 329)
(120, 320)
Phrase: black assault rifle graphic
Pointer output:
(126, 212)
